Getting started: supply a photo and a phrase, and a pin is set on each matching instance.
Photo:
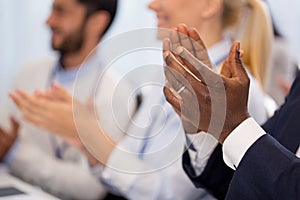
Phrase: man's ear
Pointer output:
(212, 8)
(98, 22)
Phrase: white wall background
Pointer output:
(286, 16)
(24, 35)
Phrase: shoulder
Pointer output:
(34, 72)
(40, 64)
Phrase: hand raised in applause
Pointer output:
(205, 100)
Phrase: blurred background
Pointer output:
(25, 36)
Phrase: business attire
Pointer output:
(283, 126)
(148, 163)
(46, 160)
(265, 168)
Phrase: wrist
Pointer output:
(240, 140)
(91, 159)
(228, 129)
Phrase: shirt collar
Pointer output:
(65, 76)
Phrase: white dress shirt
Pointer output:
(240, 140)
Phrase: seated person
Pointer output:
(255, 176)
(41, 157)
(219, 22)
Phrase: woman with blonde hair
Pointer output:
(220, 22)
(256, 35)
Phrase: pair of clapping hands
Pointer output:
(56, 111)
(51, 110)
(206, 101)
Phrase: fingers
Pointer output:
(21, 99)
(172, 99)
(195, 36)
(60, 93)
(225, 70)
(184, 38)
(199, 70)
(166, 46)
(172, 81)
(36, 110)
(191, 40)
(242, 53)
(200, 50)
(27, 103)
(234, 60)
(37, 120)
(174, 39)
(178, 75)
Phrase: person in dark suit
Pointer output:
(265, 164)
(283, 126)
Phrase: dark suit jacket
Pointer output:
(267, 171)
(253, 179)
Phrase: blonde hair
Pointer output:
(254, 30)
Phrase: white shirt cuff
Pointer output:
(239, 141)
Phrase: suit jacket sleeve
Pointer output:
(214, 177)
(267, 171)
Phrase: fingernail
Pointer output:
(166, 54)
(238, 47)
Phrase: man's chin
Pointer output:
(56, 43)
(56, 47)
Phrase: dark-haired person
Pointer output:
(42, 158)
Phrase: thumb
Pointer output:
(236, 66)
(225, 70)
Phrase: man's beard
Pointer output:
(72, 43)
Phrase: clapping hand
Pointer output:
(205, 100)
(8, 138)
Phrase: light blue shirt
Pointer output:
(146, 164)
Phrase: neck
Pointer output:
(212, 32)
(74, 59)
